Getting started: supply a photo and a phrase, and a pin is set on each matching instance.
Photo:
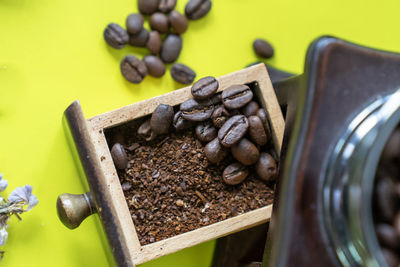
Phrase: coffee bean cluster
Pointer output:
(386, 203)
(164, 41)
(225, 122)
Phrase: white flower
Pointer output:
(23, 195)
(3, 183)
(3, 236)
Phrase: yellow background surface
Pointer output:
(52, 52)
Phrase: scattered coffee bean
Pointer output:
(119, 156)
(196, 9)
(235, 173)
(386, 199)
(139, 39)
(262, 114)
(196, 110)
(180, 123)
(245, 152)
(206, 132)
(154, 42)
(236, 96)
(155, 66)
(263, 48)
(133, 69)
(387, 236)
(182, 73)
(266, 167)
(214, 151)
(233, 130)
(134, 23)
(178, 22)
(161, 119)
(148, 7)
(116, 36)
(171, 48)
(250, 109)
(204, 88)
(256, 130)
(159, 22)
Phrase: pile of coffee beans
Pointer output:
(386, 203)
(231, 121)
(164, 41)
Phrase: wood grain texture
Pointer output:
(96, 125)
(206, 233)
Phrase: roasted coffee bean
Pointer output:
(214, 151)
(155, 66)
(266, 167)
(206, 132)
(139, 39)
(196, 110)
(145, 131)
(235, 173)
(262, 114)
(147, 7)
(116, 36)
(256, 130)
(196, 9)
(133, 69)
(171, 48)
(159, 22)
(178, 22)
(387, 236)
(161, 119)
(134, 23)
(182, 73)
(386, 199)
(236, 96)
(233, 130)
(250, 109)
(205, 88)
(391, 258)
(180, 123)
(221, 115)
(166, 6)
(245, 152)
(154, 42)
(119, 156)
(263, 48)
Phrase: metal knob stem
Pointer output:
(73, 209)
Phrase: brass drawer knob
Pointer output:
(73, 209)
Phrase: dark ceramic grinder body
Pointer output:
(340, 113)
